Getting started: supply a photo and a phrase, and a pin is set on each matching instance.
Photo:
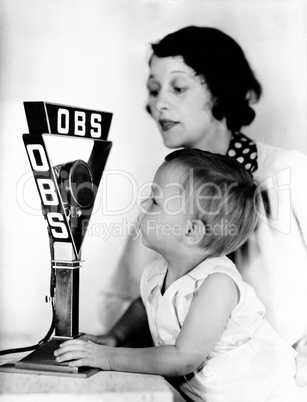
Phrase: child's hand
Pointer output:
(107, 339)
(83, 353)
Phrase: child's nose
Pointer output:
(142, 212)
(144, 206)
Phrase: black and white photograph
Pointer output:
(153, 236)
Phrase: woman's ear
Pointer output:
(195, 232)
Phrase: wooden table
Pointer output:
(104, 386)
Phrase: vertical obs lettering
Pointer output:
(56, 220)
(47, 190)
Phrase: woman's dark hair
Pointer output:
(222, 63)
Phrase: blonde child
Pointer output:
(211, 338)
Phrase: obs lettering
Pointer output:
(47, 190)
(79, 118)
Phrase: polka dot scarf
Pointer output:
(244, 150)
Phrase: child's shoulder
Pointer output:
(214, 265)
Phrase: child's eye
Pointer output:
(153, 201)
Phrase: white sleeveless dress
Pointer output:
(250, 363)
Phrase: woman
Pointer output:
(201, 88)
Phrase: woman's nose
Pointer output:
(163, 101)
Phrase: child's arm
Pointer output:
(133, 322)
(203, 327)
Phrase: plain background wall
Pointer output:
(93, 54)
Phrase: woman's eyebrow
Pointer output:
(175, 72)
(182, 72)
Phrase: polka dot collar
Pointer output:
(244, 150)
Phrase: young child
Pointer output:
(212, 341)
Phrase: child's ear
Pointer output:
(195, 232)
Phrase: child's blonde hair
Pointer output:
(224, 197)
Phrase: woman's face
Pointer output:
(180, 104)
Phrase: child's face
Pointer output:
(163, 220)
(180, 104)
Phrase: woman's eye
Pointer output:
(153, 90)
(153, 93)
(179, 90)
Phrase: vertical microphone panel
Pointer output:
(67, 299)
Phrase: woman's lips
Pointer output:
(167, 124)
